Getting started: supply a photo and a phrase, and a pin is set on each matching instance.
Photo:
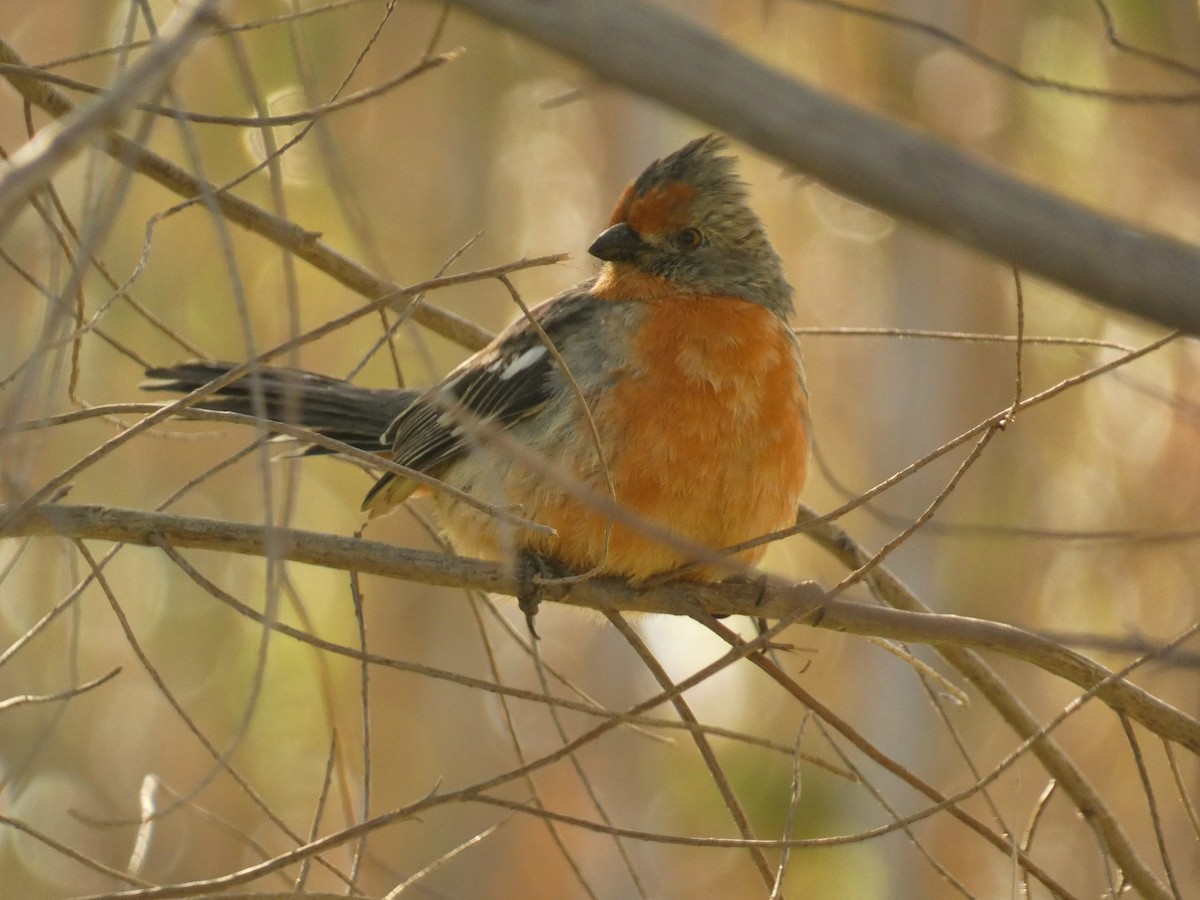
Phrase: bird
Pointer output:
(670, 383)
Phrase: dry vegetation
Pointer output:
(209, 682)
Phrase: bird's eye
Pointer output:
(688, 239)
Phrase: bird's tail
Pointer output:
(330, 406)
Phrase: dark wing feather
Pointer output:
(505, 382)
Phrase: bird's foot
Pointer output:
(534, 571)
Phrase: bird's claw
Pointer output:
(533, 569)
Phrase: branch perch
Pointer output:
(776, 600)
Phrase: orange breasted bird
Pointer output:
(686, 394)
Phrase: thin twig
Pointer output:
(1151, 804)
(711, 763)
(34, 699)
(30, 166)
(305, 243)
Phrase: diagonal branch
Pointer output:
(1018, 716)
(655, 52)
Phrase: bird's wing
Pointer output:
(510, 379)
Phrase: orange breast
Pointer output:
(706, 434)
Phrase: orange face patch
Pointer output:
(662, 209)
(621, 213)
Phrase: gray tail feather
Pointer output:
(335, 408)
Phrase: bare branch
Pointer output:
(57, 143)
(963, 656)
(655, 52)
(805, 602)
(303, 242)
(28, 699)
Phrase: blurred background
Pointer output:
(1080, 520)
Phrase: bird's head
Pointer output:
(686, 223)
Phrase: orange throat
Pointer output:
(623, 281)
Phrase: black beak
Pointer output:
(618, 244)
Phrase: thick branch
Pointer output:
(654, 52)
(774, 601)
